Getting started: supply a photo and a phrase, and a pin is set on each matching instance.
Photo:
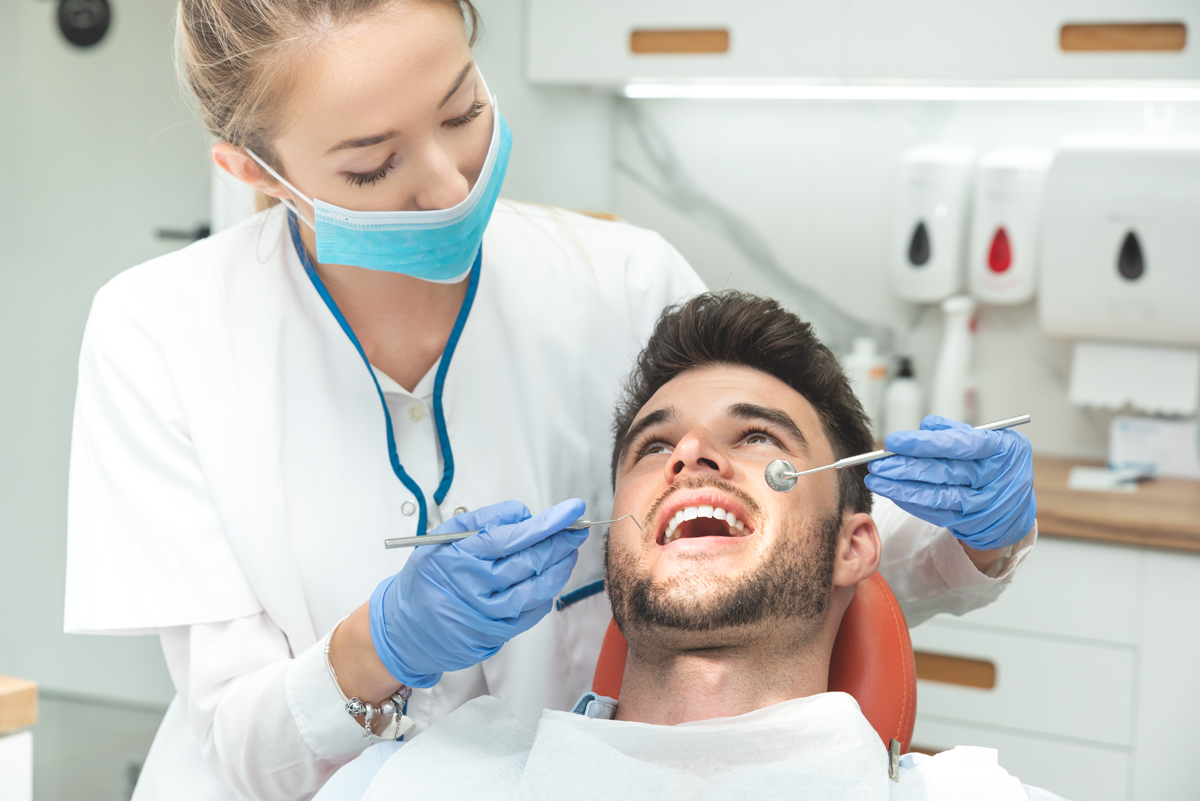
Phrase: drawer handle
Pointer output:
(955, 670)
(714, 40)
(1149, 37)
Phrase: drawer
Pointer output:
(1073, 771)
(1071, 589)
(1041, 685)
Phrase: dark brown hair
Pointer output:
(735, 328)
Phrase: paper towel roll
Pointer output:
(1161, 380)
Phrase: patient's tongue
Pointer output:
(703, 527)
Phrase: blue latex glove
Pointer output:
(454, 605)
(978, 484)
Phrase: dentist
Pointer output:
(386, 351)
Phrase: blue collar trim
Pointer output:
(439, 415)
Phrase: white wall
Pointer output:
(817, 180)
(98, 151)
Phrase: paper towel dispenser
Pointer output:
(1120, 254)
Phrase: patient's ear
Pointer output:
(858, 550)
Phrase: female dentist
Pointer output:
(386, 352)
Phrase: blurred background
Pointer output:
(787, 148)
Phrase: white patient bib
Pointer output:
(820, 747)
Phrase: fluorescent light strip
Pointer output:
(781, 91)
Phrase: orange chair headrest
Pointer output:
(872, 661)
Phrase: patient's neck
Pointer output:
(668, 686)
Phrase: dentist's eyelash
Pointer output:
(366, 178)
(476, 109)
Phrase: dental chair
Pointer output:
(872, 661)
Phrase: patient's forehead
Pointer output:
(706, 393)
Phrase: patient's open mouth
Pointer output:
(704, 520)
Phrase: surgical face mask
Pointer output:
(437, 246)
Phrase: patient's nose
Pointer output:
(695, 454)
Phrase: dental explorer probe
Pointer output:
(781, 475)
(454, 536)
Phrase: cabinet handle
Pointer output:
(711, 40)
(1136, 37)
(959, 670)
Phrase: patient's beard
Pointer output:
(792, 585)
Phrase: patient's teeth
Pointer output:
(690, 513)
(677, 519)
(740, 525)
(718, 513)
(704, 511)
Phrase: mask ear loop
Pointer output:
(294, 190)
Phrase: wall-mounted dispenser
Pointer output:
(1119, 254)
(1121, 240)
(931, 212)
(1002, 258)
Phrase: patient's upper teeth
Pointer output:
(739, 525)
(718, 513)
(704, 511)
(677, 519)
(690, 513)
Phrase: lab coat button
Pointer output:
(416, 412)
(460, 510)
(408, 507)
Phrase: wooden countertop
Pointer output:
(1163, 513)
(18, 703)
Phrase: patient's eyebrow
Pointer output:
(752, 411)
(657, 417)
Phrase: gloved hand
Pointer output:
(454, 605)
(978, 484)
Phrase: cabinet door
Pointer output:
(584, 42)
(955, 41)
(1042, 685)
(1070, 769)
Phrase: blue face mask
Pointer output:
(437, 246)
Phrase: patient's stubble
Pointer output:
(789, 590)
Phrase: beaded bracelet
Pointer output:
(356, 707)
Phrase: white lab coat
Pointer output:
(230, 487)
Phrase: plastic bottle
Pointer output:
(867, 371)
(954, 391)
(903, 406)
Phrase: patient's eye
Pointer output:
(757, 437)
(652, 447)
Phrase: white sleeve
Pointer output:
(929, 571)
(269, 726)
(146, 545)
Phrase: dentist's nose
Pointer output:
(441, 185)
(697, 455)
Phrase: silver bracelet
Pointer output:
(356, 707)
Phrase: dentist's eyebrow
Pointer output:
(362, 141)
(751, 411)
(462, 76)
(657, 417)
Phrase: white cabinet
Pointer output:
(1096, 651)
(583, 42)
(1017, 40)
(592, 43)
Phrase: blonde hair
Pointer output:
(240, 58)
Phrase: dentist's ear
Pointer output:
(234, 161)
(858, 550)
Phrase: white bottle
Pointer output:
(866, 371)
(903, 406)
(953, 393)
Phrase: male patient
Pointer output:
(730, 597)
